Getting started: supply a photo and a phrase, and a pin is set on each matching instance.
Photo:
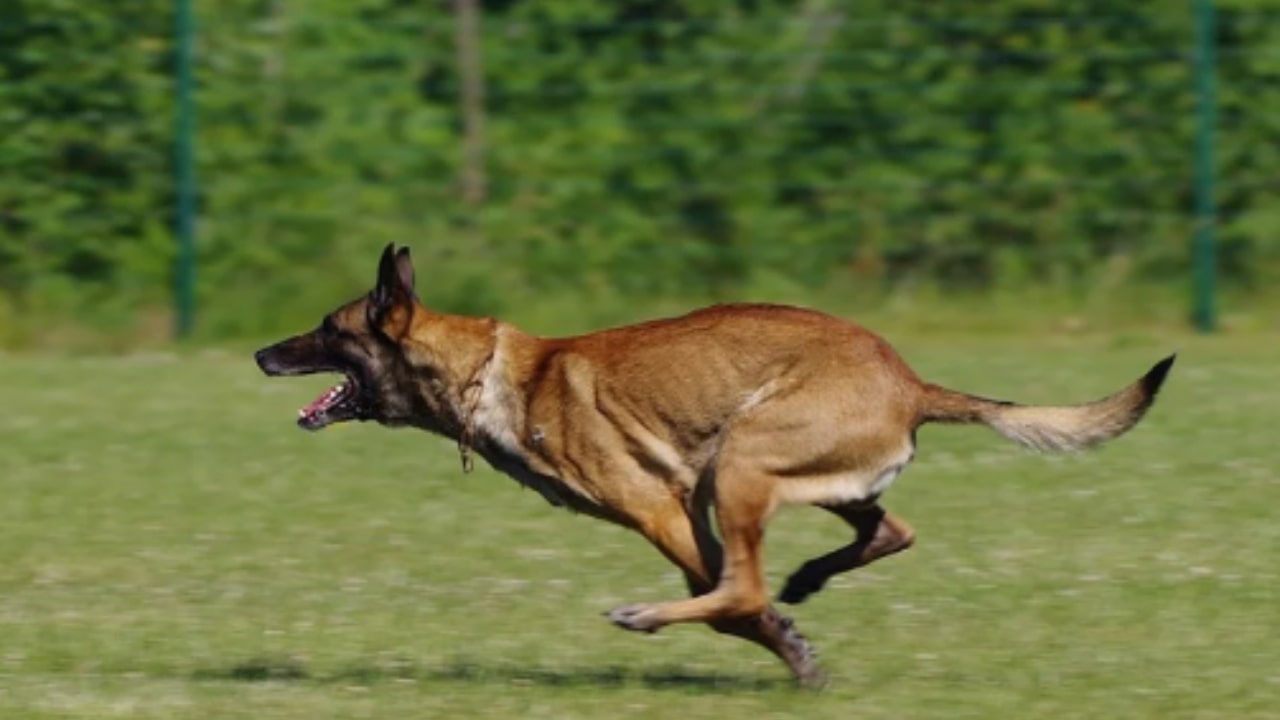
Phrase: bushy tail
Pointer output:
(1052, 428)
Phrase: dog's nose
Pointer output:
(263, 359)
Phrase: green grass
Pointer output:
(171, 546)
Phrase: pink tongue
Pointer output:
(322, 402)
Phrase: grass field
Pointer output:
(171, 546)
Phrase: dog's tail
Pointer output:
(1061, 428)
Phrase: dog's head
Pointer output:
(361, 341)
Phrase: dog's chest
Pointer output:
(512, 464)
(511, 448)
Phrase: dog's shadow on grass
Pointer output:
(477, 673)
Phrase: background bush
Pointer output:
(634, 149)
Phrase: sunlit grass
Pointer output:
(171, 546)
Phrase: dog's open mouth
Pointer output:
(333, 405)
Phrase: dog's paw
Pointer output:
(800, 654)
(812, 677)
(802, 657)
(637, 618)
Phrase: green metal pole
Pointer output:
(1204, 250)
(184, 168)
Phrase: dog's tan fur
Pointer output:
(735, 408)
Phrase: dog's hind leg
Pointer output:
(686, 540)
(878, 533)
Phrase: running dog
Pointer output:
(732, 410)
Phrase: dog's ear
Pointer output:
(404, 271)
(392, 299)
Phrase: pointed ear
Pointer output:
(390, 308)
(383, 295)
(404, 272)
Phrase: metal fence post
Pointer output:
(1204, 251)
(184, 168)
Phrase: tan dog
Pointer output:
(738, 407)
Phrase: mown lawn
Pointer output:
(171, 546)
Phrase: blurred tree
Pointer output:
(83, 122)
(651, 146)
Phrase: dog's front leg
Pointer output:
(742, 502)
(686, 540)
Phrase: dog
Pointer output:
(731, 410)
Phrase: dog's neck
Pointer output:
(449, 354)
(494, 408)
(472, 374)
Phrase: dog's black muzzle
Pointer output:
(300, 355)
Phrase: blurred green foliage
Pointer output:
(638, 148)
